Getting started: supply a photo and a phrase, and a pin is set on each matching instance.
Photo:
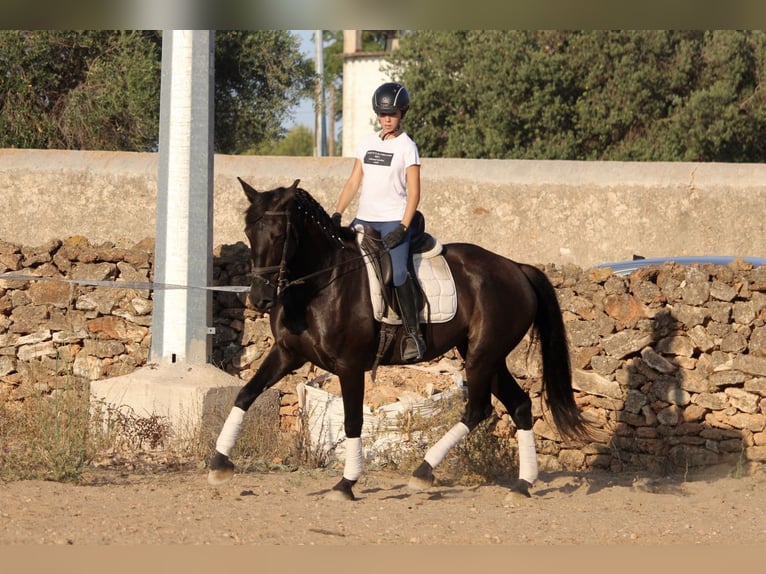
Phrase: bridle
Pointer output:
(281, 269)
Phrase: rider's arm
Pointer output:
(413, 194)
(351, 187)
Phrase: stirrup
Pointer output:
(412, 348)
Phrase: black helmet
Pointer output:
(390, 97)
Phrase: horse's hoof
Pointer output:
(422, 478)
(342, 491)
(340, 495)
(418, 484)
(519, 491)
(221, 470)
(219, 477)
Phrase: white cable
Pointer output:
(437, 452)
(527, 455)
(353, 468)
(230, 431)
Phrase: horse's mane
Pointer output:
(300, 203)
(311, 210)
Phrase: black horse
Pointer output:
(309, 274)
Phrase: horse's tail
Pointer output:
(557, 370)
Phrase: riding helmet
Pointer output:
(390, 97)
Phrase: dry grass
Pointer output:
(47, 436)
(483, 456)
(59, 435)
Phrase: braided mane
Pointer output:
(300, 203)
(310, 209)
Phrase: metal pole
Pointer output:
(182, 318)
(320, 148)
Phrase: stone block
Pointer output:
(186, 395)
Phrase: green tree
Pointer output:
(115, 107)
(299, 141)
(65, 89)
(100, 89)
(333, 80)
(602, 95)
(260, 75)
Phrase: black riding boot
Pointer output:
(413, 345)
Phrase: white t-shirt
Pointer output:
(383, 195)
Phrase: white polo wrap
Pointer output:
(230, 431)
(527, 455)
(353, 467)
(437, 452)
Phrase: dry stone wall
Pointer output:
(669, 362)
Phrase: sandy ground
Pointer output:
(290, 508)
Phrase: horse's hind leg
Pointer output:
(423, 476)
(519, 407)
(477, 409)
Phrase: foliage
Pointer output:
(100, 89)
(333, 68)
(61, 434)
(652, 95)
(65, 89)
(116, 106)
(299, 141)
(260, 75)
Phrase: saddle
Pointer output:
(436, 297)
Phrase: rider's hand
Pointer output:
(336, 220)
(395, 237)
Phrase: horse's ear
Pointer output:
(250, 191)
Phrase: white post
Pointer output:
(185, 387)
(182, 318)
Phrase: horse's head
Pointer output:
(290, 233)
(267, 226)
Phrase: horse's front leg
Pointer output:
(276, 365)
(352, 389)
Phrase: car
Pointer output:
(638, 262)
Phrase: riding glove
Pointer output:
(395, 237)
(336, 220)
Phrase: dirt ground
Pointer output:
(115, 507)
(290, 508)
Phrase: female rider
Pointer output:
(387, 170)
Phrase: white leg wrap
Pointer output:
(230, 431)
(527, 455)
(437, 452)
(353, 468)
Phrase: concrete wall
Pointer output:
(583, 213)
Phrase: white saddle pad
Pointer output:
(434, 276)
